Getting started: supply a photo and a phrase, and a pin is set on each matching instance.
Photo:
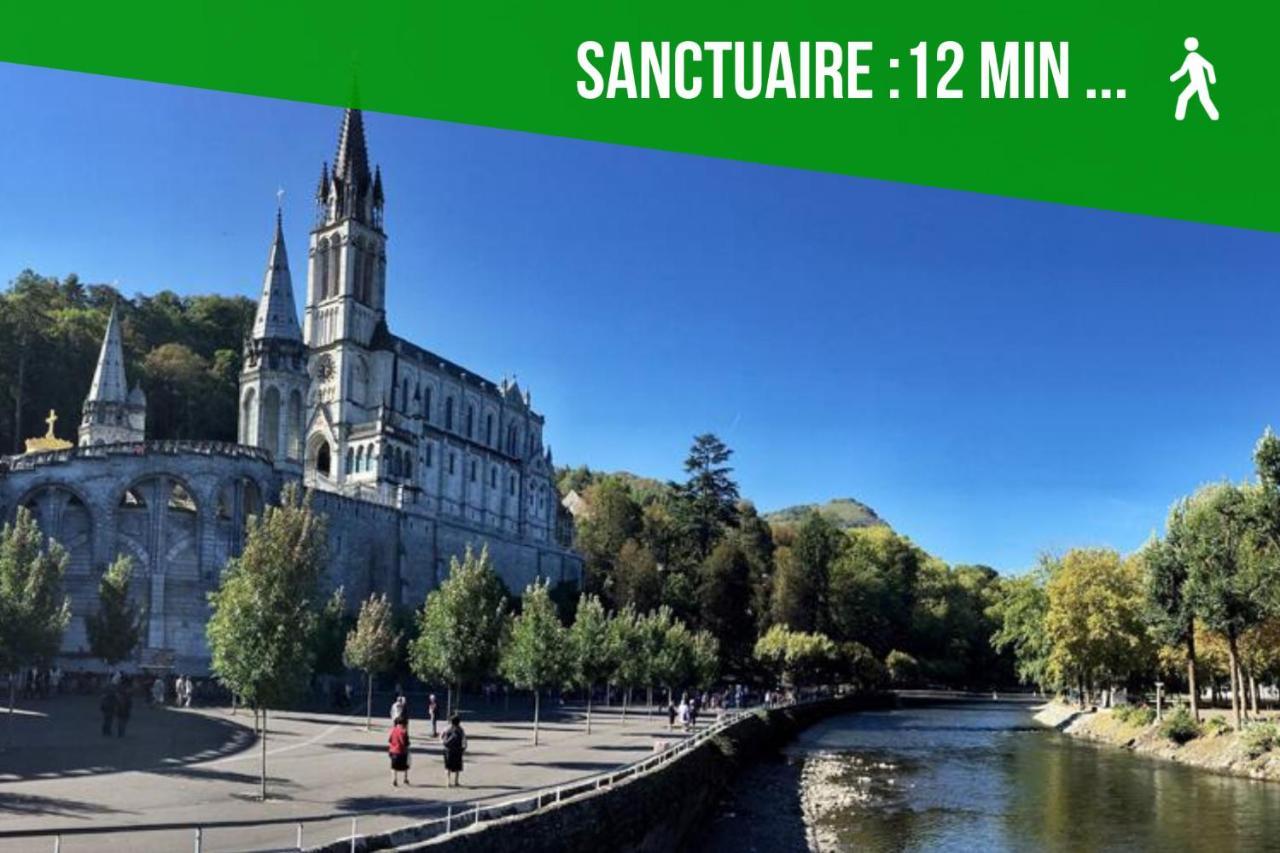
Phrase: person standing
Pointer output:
(671, 714)
(433, 714)
(454, 740)
(124, 706)
(398, 709)
(157, 691)
(108, 708)
(398, 748)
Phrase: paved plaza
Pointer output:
(186, 766)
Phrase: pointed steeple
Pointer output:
(111, 414)
(351, 164)
(109, 385)
(277, 318)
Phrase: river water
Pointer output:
(982, 776)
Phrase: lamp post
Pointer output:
(1159, 701)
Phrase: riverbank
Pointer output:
(1219, 751)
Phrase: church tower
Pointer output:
(112, 414)
(273, 381)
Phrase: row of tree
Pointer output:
(697, 548)
(1203, 600)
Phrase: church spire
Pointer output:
(112, 415)
(277, 317)
(109, 384)
(349, 190)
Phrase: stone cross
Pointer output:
(51, 420)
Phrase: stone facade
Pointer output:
(412, 458)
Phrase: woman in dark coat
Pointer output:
(454, 740)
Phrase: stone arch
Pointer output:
(331, 275)
(249, 418)
(320, 456)
(64, 517)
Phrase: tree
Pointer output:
(536, 655)
(461, 626)
(796, 658)
(709, 497)
(636, 580)
(591, 647)
(332, 626)
(705, 655)
(1019, 609)
(1095, 618)
(371, 645)
(724, 599)
(116, 628)
(264, 612)
(631, 662)
(1169, 611)
(33, 610)
(801, 583)
(674, 665)
(613, 517)
(1223, 585)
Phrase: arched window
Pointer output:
(370, 264)
(473, 470)
(511, 484)
(408, 466)
(493, 477)
(358, 260)
(471, 420)
(249, 419)
(331, 278)
(404, 395)
(323, 462)
(293, 428)
(448, 413)
(488, 429)
(350, 461)
(322, 268)
(430, 447)
(426, 404)
(272, 438)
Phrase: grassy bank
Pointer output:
(1213, 745)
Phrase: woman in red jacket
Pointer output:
(399, 750)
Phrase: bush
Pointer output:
(1217, 726)
(1135, 715)
(1259, 738)
(1180, 726)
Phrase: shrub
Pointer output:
(1180, 726)
(1135, 715)
(1259, 738)
(1217, 726)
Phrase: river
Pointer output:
(982, 776)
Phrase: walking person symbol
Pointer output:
(1199, 72)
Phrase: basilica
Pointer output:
(412, 457)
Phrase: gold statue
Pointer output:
(48, 441)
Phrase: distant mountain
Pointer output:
(845, 513)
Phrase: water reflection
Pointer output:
(981, 776)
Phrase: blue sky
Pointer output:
(997, 378)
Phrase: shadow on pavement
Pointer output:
(67, 740)
(30, 804)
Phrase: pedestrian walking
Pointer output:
(694, 704)
(671, 715)
(108, 708)
(683, 712)
(157, 691)
(398, 748)
(124, 706)
(454, 740)
(433, 714)
(399, 708)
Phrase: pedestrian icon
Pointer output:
(1199, 74)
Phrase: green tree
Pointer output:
(724, 599)
(371, 645)
(1019, 610)
(537, 654)
(801, 590)
(590, 643)
(636, 580)
(708, 499)
(115, 629)
(33, 610)
(264, 611)
(705, 655)
(631, 660)
(1169, 611)
(1223, 585)
(673, 666)
(461, 626)
(797, 658)
(332, 626)
(613, 517)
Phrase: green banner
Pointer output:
(1093, 122)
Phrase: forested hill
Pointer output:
(843, 513)
(184, 350)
